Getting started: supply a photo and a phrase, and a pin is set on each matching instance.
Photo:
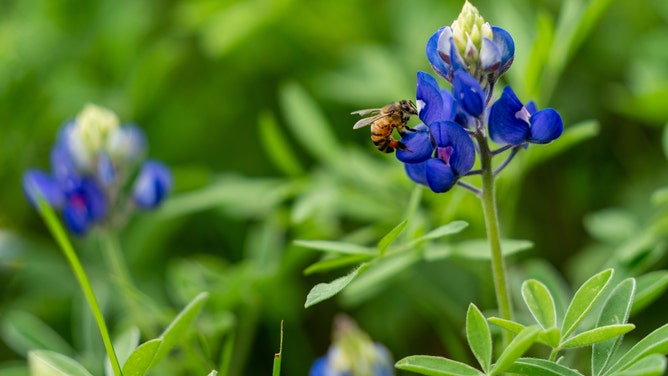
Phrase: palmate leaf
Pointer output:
(436, 366)
(540, 303)
(615, 311)
(584, 300)
(479, 337)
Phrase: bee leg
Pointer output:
(396, 144)
(402, 131)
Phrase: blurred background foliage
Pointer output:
(249, 102)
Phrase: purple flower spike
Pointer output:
(511, 123)
(152, 185)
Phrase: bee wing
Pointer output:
(369, 111)
(367, 121)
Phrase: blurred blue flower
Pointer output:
(512, 123)
(353, 353)
(92, 162)
(152, 185)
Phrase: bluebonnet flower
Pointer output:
(92, 161)
(472, 45)
(471, 55)
(512, 123)
(353, 353)
(440, 151)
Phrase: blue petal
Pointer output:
(490, 55)
(319, 367)
(62, 162)
(504, 126)
(443, 47)
(419, 145)
(128, 144)
(430, 102)
(76, 216)
(437, 63)
(37, 183)
(456, 60)
(506, 45)
(417, 172)
(96, 200)
(531, 107)
(546, 126)
(468, 93)
(152, 185)
(463, 155)
(106, 172)
(449, 111)
(440, 176)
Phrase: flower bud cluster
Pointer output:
(471, 55)
(93, 178)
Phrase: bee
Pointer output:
(384, 120)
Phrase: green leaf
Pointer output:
(277, 146)
(597, 335)
(23, 331)
(276, 370)
(451, 228)
(553, 280)
(479, 337)
(335, 247)
(584, 300)
(517, 347)
(653, 365)
(540, 303)
(391, 237)
(178, 328)
(476, 249)
(308, 124)
(49, 363)
(508, 325)
(650, 287)
(615, 311)
(142, 359)
(384, 270)
(542, 367)
(654, 343)
(124, 344)
(213, 373)
(573, 135)
(335, 263)
(436, 366)
(324, 291)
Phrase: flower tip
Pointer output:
(152, 186)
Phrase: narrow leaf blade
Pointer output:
(479, 337)
(584, 300)
(654, 343)
(597, 335)
(615, 311)
(543, 367)
(324, 291)
(388, 239)
(519, 345)
(49, 363)
(650, 287)
(436, 366)
(141, 360)
(335, 247)
(540, 303)
(177, 329)
(653, 365)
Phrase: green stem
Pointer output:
(60, 235)
(488, 199)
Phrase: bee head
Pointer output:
(409, 107)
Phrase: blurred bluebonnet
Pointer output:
(353, 353)
(93, 162)
(471, 55)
